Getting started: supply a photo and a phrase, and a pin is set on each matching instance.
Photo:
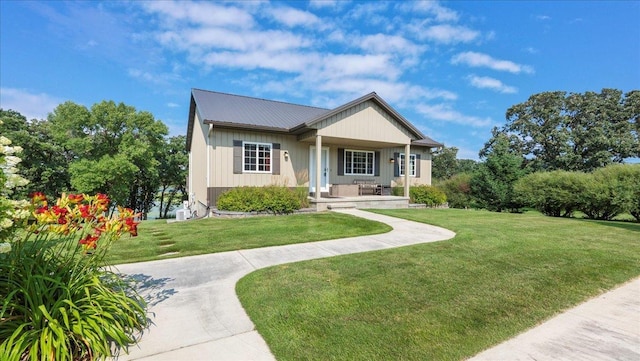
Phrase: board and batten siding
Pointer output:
(293, 170)
(365, 121)
(198, 162)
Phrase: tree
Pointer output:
(112, 149)
(173, 173)
(44, 162)
(492, 182)
(581, 132)
(445, 164)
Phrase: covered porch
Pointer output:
(339, 188)
(362, 202)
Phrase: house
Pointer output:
(360, 146)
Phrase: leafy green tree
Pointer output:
(492, 182)
(466, 166)
(111, 148)
(173, 173)
(44, 162)
(445, 164)
(576, 131)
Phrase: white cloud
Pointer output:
(531, 50)
(475, 60)
(197, 40)
(356, 64)
(31, 105)
(367, 10)
(204, 13)
(485, 82)
(293, 17)
(383, 43)
(317, 4)
(448, 34)
(445, 112)
(173, 105)
(543, 17)
(440, 12)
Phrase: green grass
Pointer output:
(159, 240)
(501, 274)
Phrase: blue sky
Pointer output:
(451, 68)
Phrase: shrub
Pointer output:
(59, 301)
(611, 191)
(271, 199)
(429, 195)
(552, 193)
(458, 190)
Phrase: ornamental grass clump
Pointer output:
(59, 299)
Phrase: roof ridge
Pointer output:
(256, 98)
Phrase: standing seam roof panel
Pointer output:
(236, 109)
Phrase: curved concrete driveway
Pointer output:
(197, 315)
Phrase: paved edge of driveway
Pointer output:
(606, 327)
(198, 315)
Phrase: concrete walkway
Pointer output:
(199, 317)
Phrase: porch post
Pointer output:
(318, 166)
(407, 160)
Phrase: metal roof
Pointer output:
(247, 112)
(237, 111)
(427, 142)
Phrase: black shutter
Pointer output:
(376, 161)
(340, 161)
(396, 164)
(275, 161)
(417, 165)
(237, 157)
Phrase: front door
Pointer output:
(324, 168)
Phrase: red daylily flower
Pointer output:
(38, 197)
(85, 211)
(75, 198)
(89, 241)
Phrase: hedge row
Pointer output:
(271, 199)
(603, 194)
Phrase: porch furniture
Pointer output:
(344, 190)
(368, 186)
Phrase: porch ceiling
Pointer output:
(350, 142)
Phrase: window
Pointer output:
(257, 157)
(412, 165)
(359, 162)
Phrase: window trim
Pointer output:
(412, 158)
(257, 144)
(350, 171)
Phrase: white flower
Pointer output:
(5, 223)
(5, 247)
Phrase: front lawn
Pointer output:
(158, 239)
(501, 274)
